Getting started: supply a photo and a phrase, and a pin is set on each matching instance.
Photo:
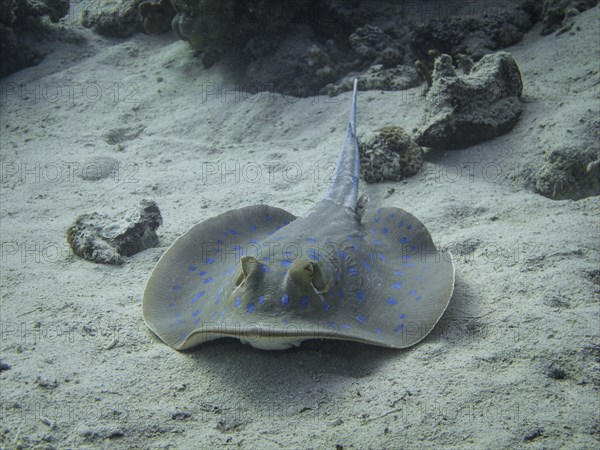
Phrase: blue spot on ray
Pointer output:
(197, 296)
(261, 299)
(195, 313)
(391, 301)
(304, 301)
(345, 326)
(284, 301)
(202, 273)
(325, 306)
(237, 302)
(396, 285)
(360, 319)
(208, 280)
(210, 260)
(313, 254)
(360, 295)
(191, 269)
(250, 308)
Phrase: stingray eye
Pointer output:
(318, 280)
(239, 277)
(309, 270)
(306, 273)
(248, 264)
(302, 272)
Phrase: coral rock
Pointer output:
(20, 20)
(389, 154)
(214, 26)
(377, 78)
(112, 18)
(372, 43)
(463, 110)
(105, 240)
(558, 14)
(157, 17)
(571, 172)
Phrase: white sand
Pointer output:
(86, 372)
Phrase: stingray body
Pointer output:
(272, 280)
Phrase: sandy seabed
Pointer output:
(514, 362)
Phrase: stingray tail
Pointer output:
(344, 188)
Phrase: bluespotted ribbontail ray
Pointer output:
(272, 280)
